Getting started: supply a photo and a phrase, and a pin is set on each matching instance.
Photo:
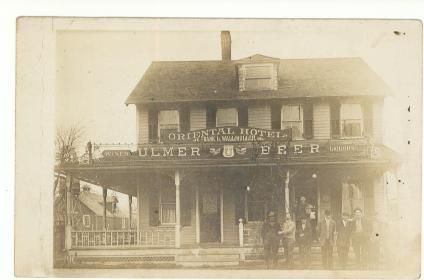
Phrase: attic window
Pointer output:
(257, 77)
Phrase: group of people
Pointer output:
(349, 231)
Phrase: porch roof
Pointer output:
(119, 173)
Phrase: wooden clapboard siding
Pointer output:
(259, 116)
(377, 121)
(230, 227)
(142, 125)
(197, 118)
(321, 121)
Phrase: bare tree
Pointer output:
(67, 141)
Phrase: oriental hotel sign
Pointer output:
(231, 142)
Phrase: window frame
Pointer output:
(87, 225)
(272, 75)
(226, 108)
(166, 203)
(177, 120)
(247, 200)
(342, 121)
(301, 117)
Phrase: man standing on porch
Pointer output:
(326, 230)
(271, 231)
(360, 237)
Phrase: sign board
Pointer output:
(228, 134)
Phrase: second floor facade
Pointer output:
(309, 118)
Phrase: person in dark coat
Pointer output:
(344, 230)
(304, 239)
(326, 232)
(271, 232)
(361, 229)
(301, 211)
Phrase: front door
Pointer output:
(210, 225)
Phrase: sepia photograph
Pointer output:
(270, 148)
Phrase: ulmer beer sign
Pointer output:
(236, 143)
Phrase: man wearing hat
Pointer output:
(271, 232)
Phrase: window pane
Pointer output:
(169, 117)
(258, 72)
(226, 117)
(256, 210)
(352, 128)
(350, 111)
(167, 194)
(292, 113)
(256, 84)
(168, 213)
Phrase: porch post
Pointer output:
(68, 228)
(130, 210)
(177, 210)
(197, 216)
(221, 205)
(138, 209)
(104, 208)
(286, 191)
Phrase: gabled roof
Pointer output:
(173, 81)
(94, 202)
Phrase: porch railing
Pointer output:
(123, 238)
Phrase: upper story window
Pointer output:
(292, 117)
(168, 121)
(226, 117)
(257, 77)
(351, 119)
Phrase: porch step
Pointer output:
(205, 259)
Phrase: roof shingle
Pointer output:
(173, 81)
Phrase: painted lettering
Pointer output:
(265, 150)
(182, 151)
(195, 151)
(298, 149)
(282, 150)
(314, 148)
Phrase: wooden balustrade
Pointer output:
(123, 238)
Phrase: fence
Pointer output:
(124, 238)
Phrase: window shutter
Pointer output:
(153, 207)
(153, 125)
(335, 119)
(242, 116)
(186, 197)
(307, 120)
(211, 116)
(276, 116)
(367, 109)
(184, 120)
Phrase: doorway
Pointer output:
(210, 222)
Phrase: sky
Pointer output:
(97, 70)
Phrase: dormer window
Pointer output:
(257, 77)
